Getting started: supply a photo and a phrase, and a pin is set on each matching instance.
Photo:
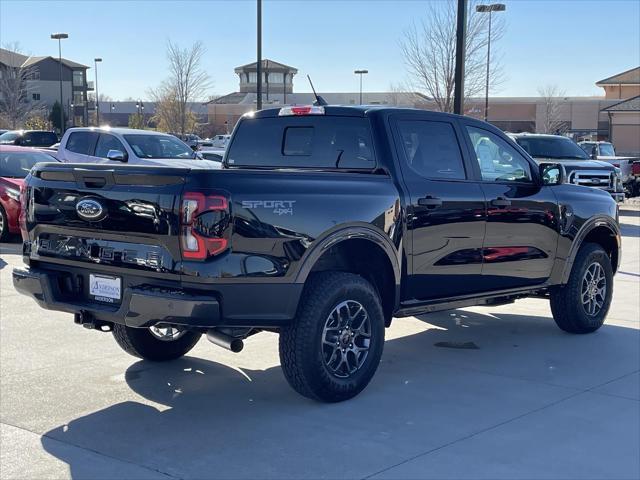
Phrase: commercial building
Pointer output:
(43, 83)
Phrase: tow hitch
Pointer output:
(88, 321)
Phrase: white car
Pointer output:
(220, 141)
(126, 145)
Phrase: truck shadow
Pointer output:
(200, 418)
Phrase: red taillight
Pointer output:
(22, 216)
(201, 237)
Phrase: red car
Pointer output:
(15, 163)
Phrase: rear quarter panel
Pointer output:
(280, 217)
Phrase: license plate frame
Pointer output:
(105, 288)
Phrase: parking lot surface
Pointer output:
(529, 402)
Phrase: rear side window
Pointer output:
(432, 149)
(82, 142)
(303, 142)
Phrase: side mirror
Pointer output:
(116, 155)
(17, 141)
(552, 173)
(194, 147)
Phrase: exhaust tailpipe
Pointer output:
(225, 341)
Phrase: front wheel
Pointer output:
(155, 343)
(333, 348)
(4, 225)
(582, 304)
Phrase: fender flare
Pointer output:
(585, 229)
(343, 233)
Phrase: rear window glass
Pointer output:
(303, 142)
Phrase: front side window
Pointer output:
(82, 142)
(108, 142)
(432, 149)
(499, 161)
(606, 150)
(158, 146)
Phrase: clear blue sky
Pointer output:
(569, 43)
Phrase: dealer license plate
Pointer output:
(104, 288)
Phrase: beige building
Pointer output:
(597, 117)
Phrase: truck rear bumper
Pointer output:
(144, 307)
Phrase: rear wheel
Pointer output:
(4, 225)
(582, 304)
(155, 343)
(333, 348)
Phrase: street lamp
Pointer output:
(361, 72)
(60, 37)
(140, 107)
(494, 7)
(95, 63)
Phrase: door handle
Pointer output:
(430, 202)
(501, 202)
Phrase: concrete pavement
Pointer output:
(530, 402)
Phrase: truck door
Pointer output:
(445, 209)
(522, 214)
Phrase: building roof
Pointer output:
(333, 98)
(630, 77)
(629, 105)
(266, 64)
(15, 60)
(129, 107)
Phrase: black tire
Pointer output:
(141, 343)
(303, 354)
(4, 225)
(567, 306)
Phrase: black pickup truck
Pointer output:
(323, 224)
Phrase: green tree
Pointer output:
(54, 116)
(136, 120)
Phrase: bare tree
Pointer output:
(400, 94)
(187, 80)
(429, 51)
(15, 102)
(551, 97)
(168, 115)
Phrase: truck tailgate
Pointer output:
(122, 216)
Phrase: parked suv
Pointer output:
(29, 138)
(324, 224)
(125, 145)
(580, 169)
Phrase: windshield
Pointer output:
(606, 150)
(9, 137)
(552, 147)
(18, 164)
(158, 146)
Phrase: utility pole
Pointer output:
(461, 34)
(259, 63)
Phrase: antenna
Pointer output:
(319, 100)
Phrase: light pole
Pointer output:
(361, 73)
(60, 37)
(259, 55)
(95, 63)
(494, 7)
(140, 108)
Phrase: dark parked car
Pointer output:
(579, 167)
(29, 138)
(15, 164)
(323, 224)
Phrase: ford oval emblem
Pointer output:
(90, 210)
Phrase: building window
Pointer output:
(78, 98)
(33, 73)
(78, 78)
(35, 96)
(275, 77)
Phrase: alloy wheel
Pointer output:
(166, 333)
(594, 289)
(346, 338)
